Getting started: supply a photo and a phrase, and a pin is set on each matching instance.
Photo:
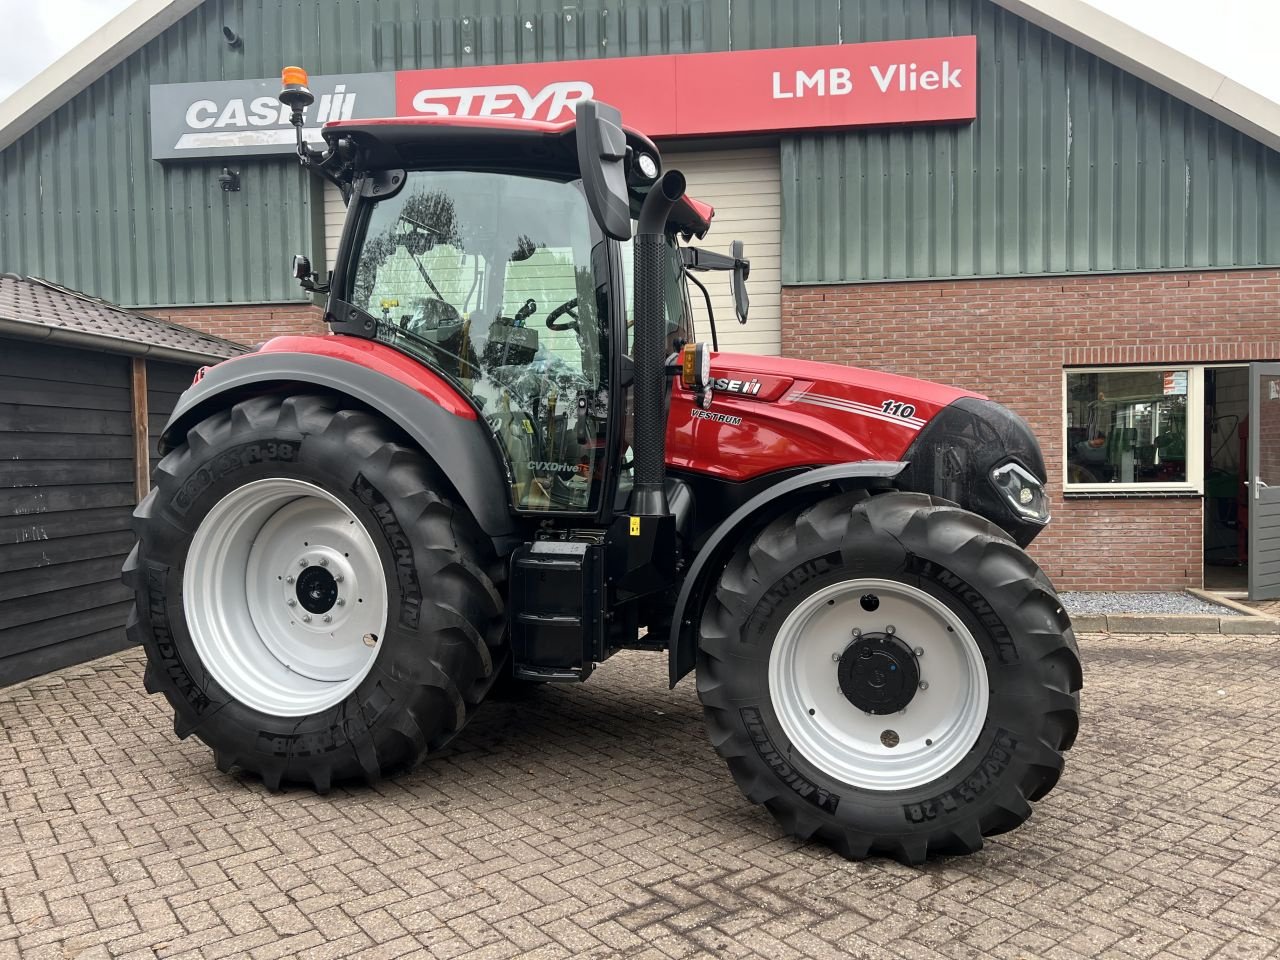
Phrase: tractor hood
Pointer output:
(773, 413)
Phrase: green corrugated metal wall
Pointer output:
(1071, 166)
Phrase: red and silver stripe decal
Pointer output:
(802, 395)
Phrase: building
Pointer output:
(84, 390)
(1022, 197)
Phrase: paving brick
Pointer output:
(583, 822)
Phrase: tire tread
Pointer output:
(915, 521)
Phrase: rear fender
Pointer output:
(422, 404)
(682, 644)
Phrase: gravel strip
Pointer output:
(1129, 602)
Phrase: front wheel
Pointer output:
(889, 674)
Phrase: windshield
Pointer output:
(497, 282)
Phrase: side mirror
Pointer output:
(741, 270)
(602, 150)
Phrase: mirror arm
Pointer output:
(711, 314)
(695, 258)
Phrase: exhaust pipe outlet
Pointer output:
(649, 497)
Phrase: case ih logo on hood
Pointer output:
(747, 388)
(556, 101)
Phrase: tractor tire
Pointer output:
(313, 602)
(889, 674)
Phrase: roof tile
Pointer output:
(31, 300)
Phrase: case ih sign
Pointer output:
(699, 94)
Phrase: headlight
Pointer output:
(1024, 493)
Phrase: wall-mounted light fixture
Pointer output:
(232, 38)
(229, 180)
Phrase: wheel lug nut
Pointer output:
(328, 618)
(342, 602)
(890, 629)
(835, 657)
(324, 562)
(856, 633)
(302, 562)
(918, 651)
(924, 684)
(288, 579)
(306, 618)
(292, 602)
(337, 578)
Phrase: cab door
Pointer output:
(1264, 481)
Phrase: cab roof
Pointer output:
(492, 144)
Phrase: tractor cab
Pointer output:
(499, 254)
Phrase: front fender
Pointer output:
(422, 404)
(682, 644)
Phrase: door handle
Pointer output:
(1258, 486)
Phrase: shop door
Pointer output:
(1264, 481)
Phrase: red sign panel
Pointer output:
(752, 91)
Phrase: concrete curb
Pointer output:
(1253, 625)
(1225, 602)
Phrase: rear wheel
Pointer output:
(889, 674)
(313, 603)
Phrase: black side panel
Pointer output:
(824, 481)
(952, 458)
(462, 448)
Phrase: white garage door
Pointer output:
(744, 186)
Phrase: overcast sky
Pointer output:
(1237, 37)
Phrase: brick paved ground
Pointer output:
(596, 821)
(1270, 607)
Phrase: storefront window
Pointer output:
(1132, 429)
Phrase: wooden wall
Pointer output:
(67, 489)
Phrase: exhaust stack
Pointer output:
(649, 497)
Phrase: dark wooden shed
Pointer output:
(85, 388)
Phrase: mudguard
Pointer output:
(682, 644)
(408, 394)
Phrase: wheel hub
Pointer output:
(317, 590)
(878, 673)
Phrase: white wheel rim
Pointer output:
(935, 730)
(268, 564)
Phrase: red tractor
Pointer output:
(512, 458)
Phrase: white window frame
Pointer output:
(1194, 484)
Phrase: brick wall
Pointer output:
(249, 324)
(1011, 338)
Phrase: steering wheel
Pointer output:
(567, 307)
